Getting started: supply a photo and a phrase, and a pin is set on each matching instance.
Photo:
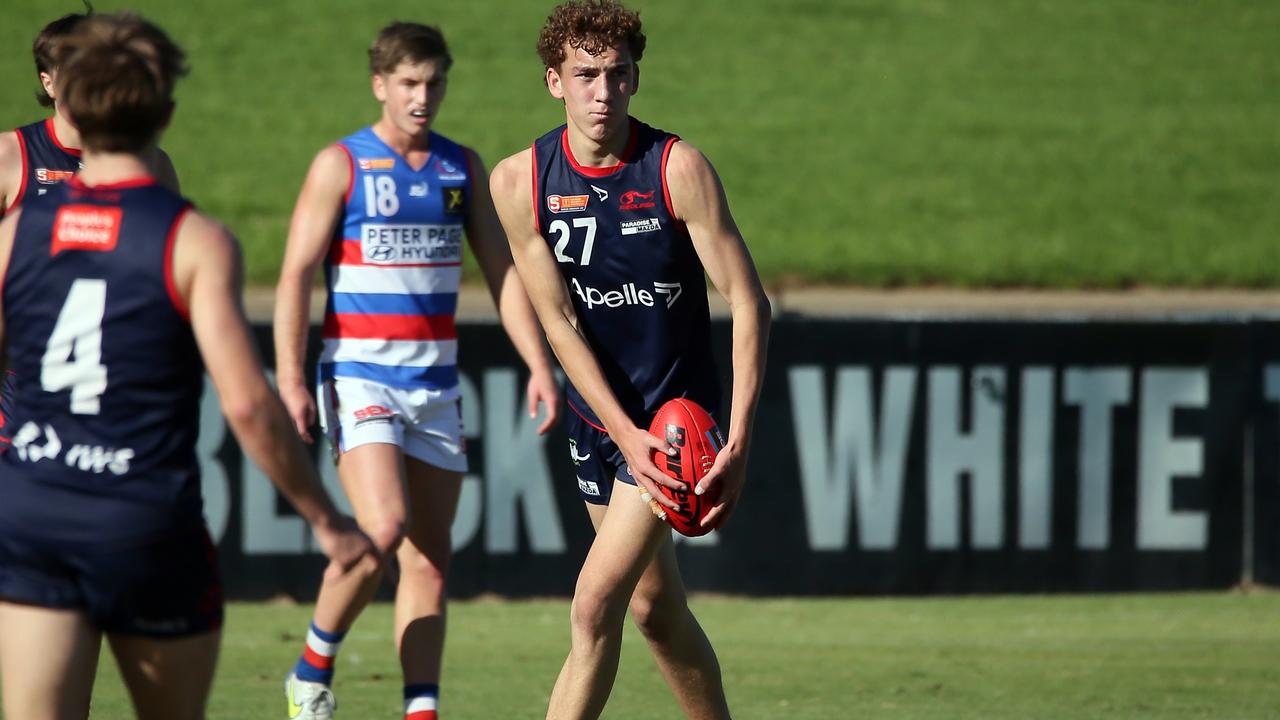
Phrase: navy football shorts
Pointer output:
(597, 461)
(168, 588)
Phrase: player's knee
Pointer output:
(386, 534)
(429, 572)
(594, 614)
(657, 621)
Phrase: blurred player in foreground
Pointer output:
(612, 247)
(114, 290)
(385, 211)
(46, 152)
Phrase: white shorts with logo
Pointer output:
(424, 424)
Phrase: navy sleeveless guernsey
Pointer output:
(636, 283)
(105, 408)
(45, 161)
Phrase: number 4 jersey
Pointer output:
(636, 283)
(105, 407)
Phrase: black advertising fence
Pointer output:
(889, 457)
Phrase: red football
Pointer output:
(691, 431)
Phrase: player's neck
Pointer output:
(605, 152)
(107, 168)
(66, 134)
(411, 147)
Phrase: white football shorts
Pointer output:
(424, 424)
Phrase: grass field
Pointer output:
(1120, 656)
(1100, 143)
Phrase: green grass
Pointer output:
(1099, 143)
(1119, 656)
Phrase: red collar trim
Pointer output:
(601, 171)
(143, 181)
(53, 135)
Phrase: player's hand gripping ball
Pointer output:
(696, 439)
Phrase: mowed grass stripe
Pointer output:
(1101, 143)
(1119, 656)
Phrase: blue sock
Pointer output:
(318, 656)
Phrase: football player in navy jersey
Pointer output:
(37, 156)
(611, 223)
(385, 211)
(114, 290)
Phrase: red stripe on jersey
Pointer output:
(351, 182)
(169, 283)
(350, 252)
(421, 715)
(53, 135)
(666, 193)
(390, 327)
(26, 170)
(315, 659)
(132, 183)
(578, 412)
(602, 171)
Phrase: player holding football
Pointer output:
(385, 210)
(114, 291)
(611, 223)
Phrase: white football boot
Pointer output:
(308, 700)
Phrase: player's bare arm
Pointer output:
(484, 234)
(698, 199)
(10, 170)
(512, 194)
(208, 275)
(310, 232)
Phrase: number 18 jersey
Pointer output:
(636, 284)
(394, 267)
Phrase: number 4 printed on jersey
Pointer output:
(73, 355)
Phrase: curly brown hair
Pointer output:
(590, 25)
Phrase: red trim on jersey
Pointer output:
(53, 135)
(317, 660)
(351, 182)
(349, 252)
(26, 170)
(666, 193)
(422, 715)
(358, 326)
(533, 170)
(129, 184)
(601, 171)
(169, 284)
(578, 412)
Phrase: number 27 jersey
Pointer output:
(636, 283)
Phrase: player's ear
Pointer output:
(635, 78)
(554, 85)
(46, 81)
(379, 87)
